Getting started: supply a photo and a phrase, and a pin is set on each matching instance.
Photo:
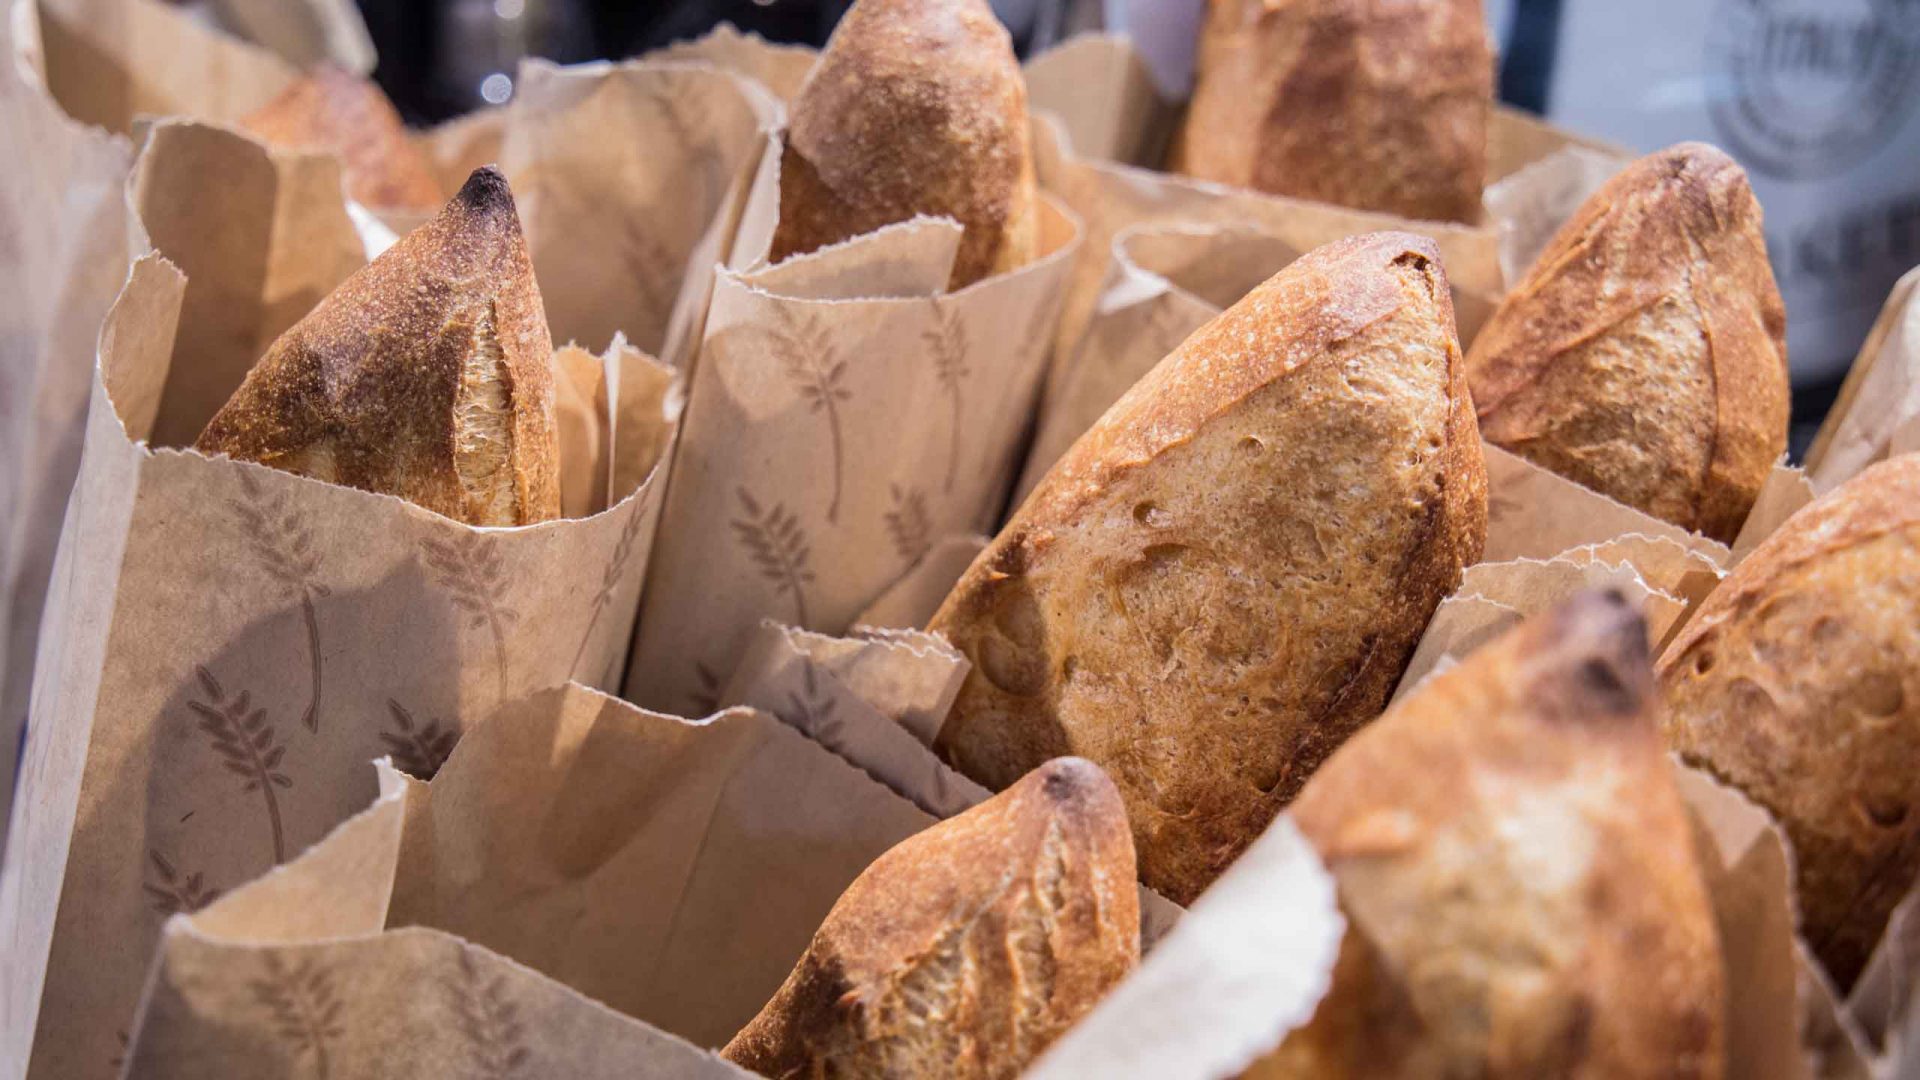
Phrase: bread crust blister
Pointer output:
(1224, 577)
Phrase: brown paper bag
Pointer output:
(111, 61)
(846, 410)
(304, 33)
(227, 644)
(63, 214)
(877, 701)
(584, 890)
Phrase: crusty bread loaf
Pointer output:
(916, 107)
(1374, 104)
(428, 375)
(1224, 578)
(1799, 682)
(1644, 355)
(966, 949)
(349, 116)
(1517, 869)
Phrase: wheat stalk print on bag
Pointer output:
(610, 581)
(1796, 683)
(495, 1033)
(1184, 602)
(175, 893)
(427, 375)
(947, 345)
(777, 544)
(247, 746)
(282, 540)
(908, 525)
(468, 567)
(879, 135)
(1518, 872)
(966, 949)
(820, 379)
(418, 749)
(304, 1007)
(1644, 354)
(1374, 104)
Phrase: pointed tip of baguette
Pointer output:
(1601, 665)
(486, 192)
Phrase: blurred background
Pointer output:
(1815, 97)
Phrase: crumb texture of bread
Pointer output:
(917, 107)
(349, 116)
(427, 375)
(965, 950)
(1223, 579)
(1518, 872)
(1798, 682)
(1374, 104)
(1644, 354)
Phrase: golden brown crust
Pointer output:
(1518, 871)
(916, 107)
(1224, 577)
(1799, 682)
(349, 116)
(965, 950)
(1644, 355)
(427, 375)
(1375, 104)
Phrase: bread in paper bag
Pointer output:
(1222, 580)
(917, 107)
(1798, 682)
(1365, 103)
(1518, 870)
(427, 375)
(1644, 354)
(348, 115)
(968, 948)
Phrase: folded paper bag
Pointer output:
(228, 644)
(586, 889)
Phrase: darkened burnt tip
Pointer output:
(486, 192)
(1600, 664)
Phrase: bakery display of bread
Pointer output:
(966, 949)
(1374, 104)
(1223, 579)
(1644, 354)
(1517, 869)
(917, 107)
(349, 116)
(1799, 683)
(427, 375)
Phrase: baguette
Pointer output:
(350, 117)
(1224, 578)
(1375, 104)
(967, 949)
(427, 375)
(916, 107)
(1799, 683)
(1644, 354)
(1516, 866)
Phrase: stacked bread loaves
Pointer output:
(427, 375)
(1223, 579)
